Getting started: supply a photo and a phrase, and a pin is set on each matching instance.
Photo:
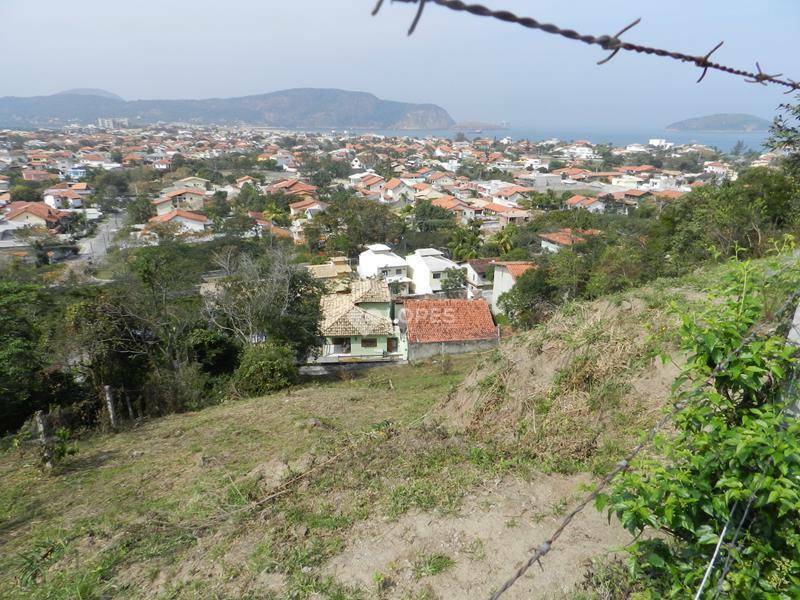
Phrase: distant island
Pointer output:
(294, 108)
(722, 122)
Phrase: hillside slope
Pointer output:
(415, 481)
(293, 108)
(579, 388)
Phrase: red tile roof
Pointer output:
(432, 321)
(517, 267)
(179, 213)
(39, 209)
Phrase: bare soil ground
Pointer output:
(495, 528)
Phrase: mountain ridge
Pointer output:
(291, 108)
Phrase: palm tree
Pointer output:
(504, 239)
(465, 243)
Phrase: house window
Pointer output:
(398, 271)
(369, 343)
(391, 344)
(341, 345)
(437, 275)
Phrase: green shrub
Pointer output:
(265, 368)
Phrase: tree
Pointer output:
(465, 242)
(20, 360)
(350, 223)
(140, 209)
(504, 239)
(530, 301)
(267, 298)
(24, 193)
(732, 464)
(453, 280)
(428, 217)
(785, 135)
(265, 367)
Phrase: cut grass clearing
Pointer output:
(168, 507)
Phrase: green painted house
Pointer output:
(357, 325)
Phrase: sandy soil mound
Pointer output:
(581, 385)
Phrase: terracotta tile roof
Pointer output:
(308, 202)
(670, 194)
(39, 209)
(341, 317)
(517, 267)
(431, 321)
(179, 213)
(567, 236)
(369, 290)
(480, 265)
(181, 191)
(265, 223)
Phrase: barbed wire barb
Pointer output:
(762, 77)
(705, 60)
(417, 16)
(616, 43)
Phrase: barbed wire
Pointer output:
(625, 464)
(611, 43)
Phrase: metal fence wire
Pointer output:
(611, 43)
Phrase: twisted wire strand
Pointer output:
(612, 43)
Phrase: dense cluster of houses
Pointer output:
(392, 307)
(384, 306)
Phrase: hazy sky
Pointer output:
(474, 67)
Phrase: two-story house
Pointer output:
(357, 325)
(190, 199)
(378, 261)
(426, 270)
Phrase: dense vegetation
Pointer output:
(150, 334)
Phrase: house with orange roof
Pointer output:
(263, 224)
(292, 187)
(59, 198)
(397, 191)
(578, 202)
(36, 215)
(306, 208)
(505, 278)
(446, 326)
(38, 175)
(554, 241)
(185, 221)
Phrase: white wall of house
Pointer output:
(426, 269)
(503, 282)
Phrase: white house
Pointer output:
(479, 285)
(186, 222)
(189, 198)
(578, 202)
(505, 277)
(627, 181)
(397, 190)
(193, 182)
(426, 269)
(378, 261)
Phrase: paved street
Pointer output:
(96, 246)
